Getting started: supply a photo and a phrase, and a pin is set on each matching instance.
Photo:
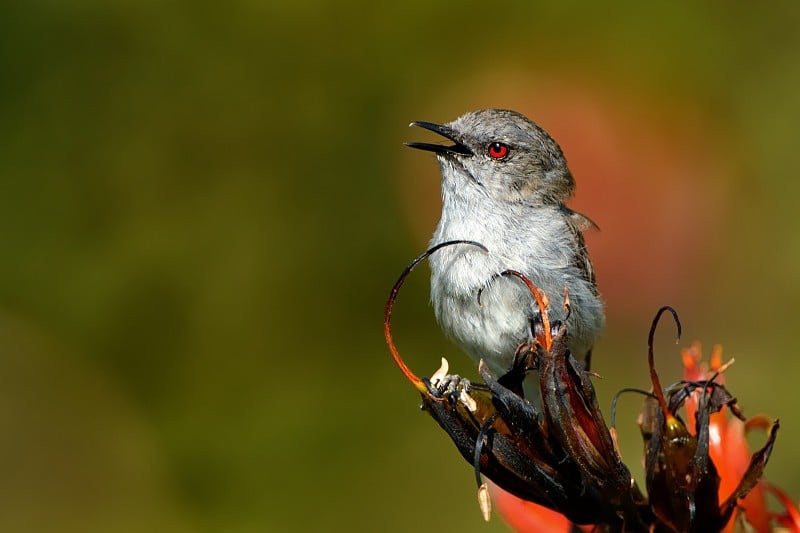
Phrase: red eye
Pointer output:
(498, 150)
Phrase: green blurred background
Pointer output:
(204, 207)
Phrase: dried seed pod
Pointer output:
(682, 480)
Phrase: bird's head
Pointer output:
(503, 153)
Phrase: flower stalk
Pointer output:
(560, 454)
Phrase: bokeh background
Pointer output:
(204, 206)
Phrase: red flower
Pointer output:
(528, 517)
(791, 518)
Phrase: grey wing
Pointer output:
(577, 223)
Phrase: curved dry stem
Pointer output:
(415, 380)
(620, 393)
(657, 390)
(548, 339)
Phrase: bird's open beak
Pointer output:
(456, 149)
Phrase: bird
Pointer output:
(504, 185)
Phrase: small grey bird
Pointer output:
(504, 184)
